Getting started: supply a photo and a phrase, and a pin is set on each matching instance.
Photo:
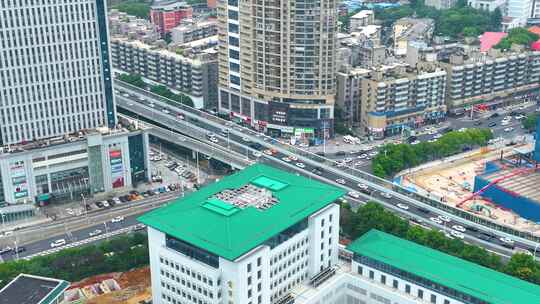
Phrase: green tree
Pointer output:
(496, 19)
(523, 266)
(519, 36)
(138, 8)
(530, 122)
(133, 79)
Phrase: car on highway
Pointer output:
(444, 218)
(18, 249)
(340, 181)
(457, 234)
(139, 227)
(117, 219)
(95, 232)
(214, 140)
(257, 154)
(459, 228)
(5, 250)
(300, 165)
(354, 194)
(245, 139)
(492, 124)
(386, 195)
(58, 243)
(509, 129)
(507, 240)
(165, 111)
(403, 206)
(6, 233)
(436, 220)
(286, 159)
(292, 157)
(362, 186)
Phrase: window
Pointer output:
(234, 41)
(371, 274)
(433, 298)
(407, 288)
(259, 261)
(233, 28)
(249, 267)
(395, 284)
(234, 54)
(446, 301)
(233, 15)
(235, 79)
(249, 280)
(360, 270)
(235, 67)
(383, 279)
(420, 293)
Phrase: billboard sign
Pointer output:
(117, 167)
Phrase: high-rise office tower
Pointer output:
(277, 64)
(55, 74)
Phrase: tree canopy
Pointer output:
(138, 8)
(75, 264)
(397, 157)
(519, 36)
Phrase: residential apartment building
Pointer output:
(408, 29)
(58, 81)
(488, 5)
(398, 98)
(168, 14)
(361, 19)
(441, 4)
(195, 76)
(348, 94)
(249, 238)
(277, 65)
(387, 269)
(495, 79)
(191, 31)
(519, 11)
(122, 24)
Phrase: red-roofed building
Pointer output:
(490, 39)
(535, 30)
(168, 15)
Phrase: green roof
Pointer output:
(472, 279)
(228, 231)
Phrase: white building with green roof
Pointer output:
(248, 239)
(386, 269)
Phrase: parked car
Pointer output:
(117, 219)
(95, 232)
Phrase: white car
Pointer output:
(214, 140)
(362, 156)
(416, 142)
(510, 129)
(459, 228)
(462, 130)
(444, 218)
(436, 220)
(373, 153)
(437, 136)
(257, 154)
(245, 139)
(457, 234)
(362, 186)
(293, 158)
(300, 165)
(117, 219)
(386, 194)
(95, 232)
(403, 206)
(166, 111)
(58, 243)
(354, 194)
(507, 240)
(340, 181)
(286, 159)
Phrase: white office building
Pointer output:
(385, 269)
(519, 11)
(55, 74)
(250, 238)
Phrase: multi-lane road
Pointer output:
(280, 154)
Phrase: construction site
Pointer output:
(499, 182)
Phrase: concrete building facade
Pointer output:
(263, 240)
(408, 29)
(55, 71)
(361, 19)
(398, 98)
(168, 14)
(191, 31)
(441, 4)
(349, 94)
(277, 65)
(495, 80)
(196, 77)
(488, 5)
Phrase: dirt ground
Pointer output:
(454, 182)
(135, 286)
